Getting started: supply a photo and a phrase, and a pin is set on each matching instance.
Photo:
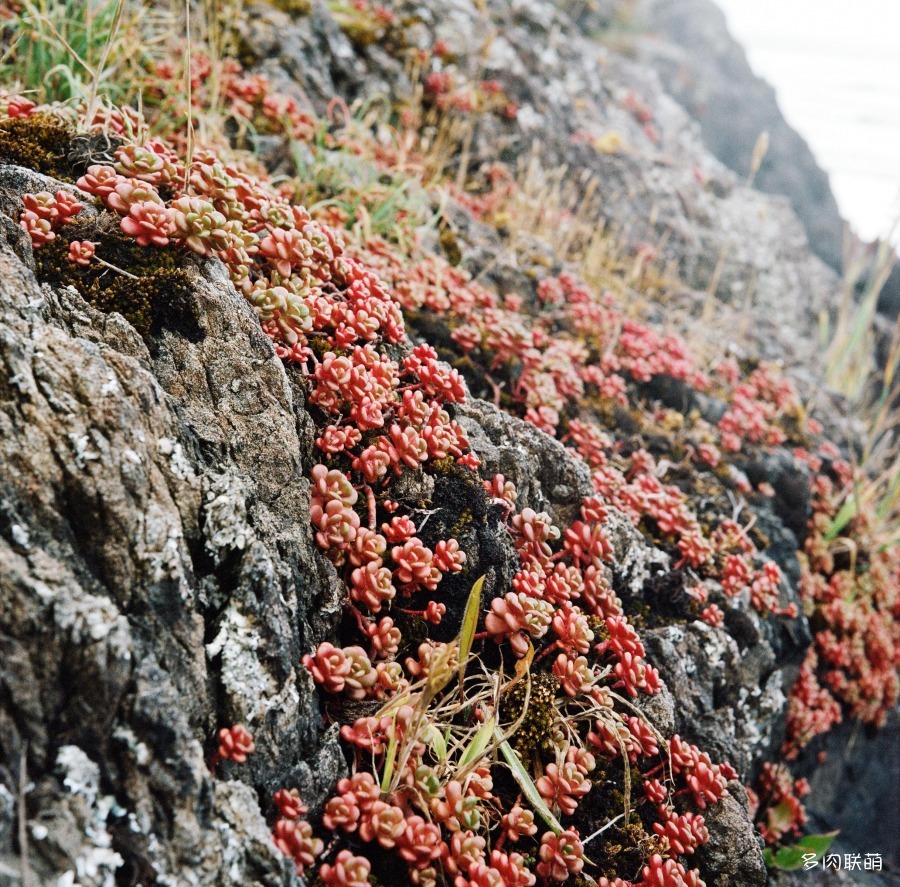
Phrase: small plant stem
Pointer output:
(114, 268)
(495, 388)
(370, 499)
(651, 773)
(547, 651)
(600, 831)
(362, 623)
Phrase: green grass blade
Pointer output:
(529, 789)
(479, 742)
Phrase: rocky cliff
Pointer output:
(707, 72)
(256, 457)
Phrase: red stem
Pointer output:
(370, 498)
(546, 652)
(362, 623)
(496, 389)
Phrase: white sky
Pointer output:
(835, 65)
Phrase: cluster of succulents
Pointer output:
(776, 802)
(44, 212)
(555, 378)
(851, 668)
(438, 811)
(431, 787)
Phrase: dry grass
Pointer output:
(76, 51)
(849, 340)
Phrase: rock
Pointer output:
(728, 700)
(820, 877)
(791, 502)
(732, 857)
(547, 475)
(860, 773)
(707, 72)
(140, 615)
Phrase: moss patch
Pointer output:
(534, 734)
(161, 296)
(39, 142)
(293, 7)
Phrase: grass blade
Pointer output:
(467, 632)
(479, 742)
(529, 789)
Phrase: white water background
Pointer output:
(835, 66)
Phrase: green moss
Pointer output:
(462, 522)
(320, 346)
(150, 302)
(39, 142)
(534, 734)
(159, 297)
(450, 246)
(625, 846)
(441, 467)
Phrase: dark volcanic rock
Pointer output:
(860, 773)
(731, 858)
(158, 577)
(547, 475)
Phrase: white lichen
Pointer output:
(252, 690)
(89, 619)
(178, 462)
(96, 864)
(139, 750)
(225, 526)
(81, 444)
(20, 535)
(110, 386)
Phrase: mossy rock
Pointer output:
(40, 142)
(159, 292)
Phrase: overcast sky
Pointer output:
(835, 65)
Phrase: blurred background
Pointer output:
(835, 65)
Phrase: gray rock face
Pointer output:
(548, 477)
(732, 855)
(728, 699)
(861, 772)
(158, 582)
